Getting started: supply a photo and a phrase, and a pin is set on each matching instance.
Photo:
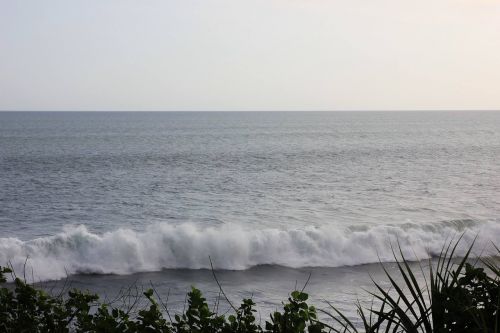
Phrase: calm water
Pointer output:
(150, 196)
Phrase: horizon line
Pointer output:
(305, 110)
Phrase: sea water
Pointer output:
(115, 198)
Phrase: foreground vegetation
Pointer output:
(460, 296)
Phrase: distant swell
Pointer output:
(124, 251)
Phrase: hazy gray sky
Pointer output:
(249, 54)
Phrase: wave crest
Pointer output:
(160, 246)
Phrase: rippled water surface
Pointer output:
(129, 193)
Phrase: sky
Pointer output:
(249, 54)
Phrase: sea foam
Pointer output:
(160, 246)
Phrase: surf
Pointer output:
(76, 249)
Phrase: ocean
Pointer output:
(106, 200)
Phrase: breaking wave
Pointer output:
(160, 246)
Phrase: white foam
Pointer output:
(159, 246)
